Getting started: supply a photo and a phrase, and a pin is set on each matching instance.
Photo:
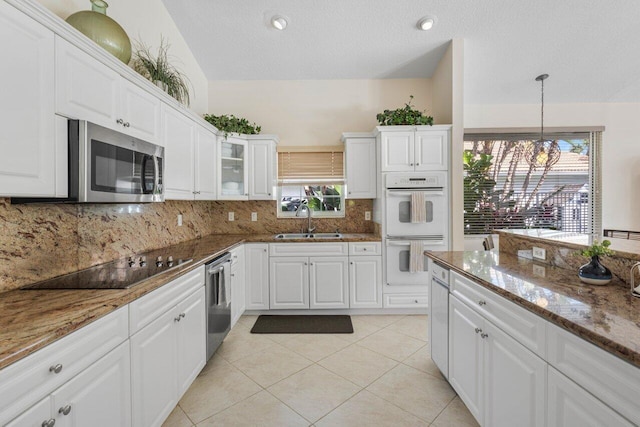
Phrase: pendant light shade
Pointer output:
(543, 153)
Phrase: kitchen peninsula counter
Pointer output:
(607, 316)
(32, 319)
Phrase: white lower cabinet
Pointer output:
(365, 281)
(569, 405)
(328, 282)
(496, 377)
(256, 276)
(166, 356)
(237, 283)
(289, 282)
(39, 414)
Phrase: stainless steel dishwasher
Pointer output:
(439, 317)
(218, 300)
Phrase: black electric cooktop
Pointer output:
(119, 274)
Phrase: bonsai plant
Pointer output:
(594, 273)
(407, 115)
(228, 123)
(158, 69)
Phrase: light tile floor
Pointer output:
(381, 375)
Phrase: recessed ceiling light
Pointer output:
(426, 23)
(279, 22)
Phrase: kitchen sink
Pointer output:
(290, 236)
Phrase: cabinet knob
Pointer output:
(126, 124)
(482, 302)
(311, 263)
(417, 164)
(478, 330)
(49, 423)
(232, 275)
(305, 263)
(177, 318)
(55, 368)
(416, 301)
(351, 263)
(65, 410)
(120, 121)
(269, 193)
(410, 164)
(182, 315)
(264, 250)
(364, 249)
(484, 335)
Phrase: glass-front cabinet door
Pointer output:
(233, 170)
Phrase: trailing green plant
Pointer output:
(598, 249)
(158, 69)
(407, 115)
(228, 123)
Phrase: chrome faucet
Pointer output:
(305, 205)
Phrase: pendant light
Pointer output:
(543, 153)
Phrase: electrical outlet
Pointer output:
(254, 216)
(232, 216)
(367, 216)
(539, 270)
(539, 253)
(179, 220)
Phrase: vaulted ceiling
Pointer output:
(590, 48)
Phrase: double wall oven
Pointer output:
(401, 190)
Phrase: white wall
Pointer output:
(620, 153)
(147, 21)
(315, 112)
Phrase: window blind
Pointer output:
(310, 167)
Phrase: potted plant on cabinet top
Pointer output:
(228, 123)
(594, 273)
(407, 115)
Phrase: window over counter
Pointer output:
(310, 179)
(514, 180)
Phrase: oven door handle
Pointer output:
(408, 242)
(405, 193)
(156, 176)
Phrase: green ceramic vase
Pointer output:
(103, 30)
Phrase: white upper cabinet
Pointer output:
(178, 155)
(86, 89)
(233, 173)
(360, 166)
(262, 169)
(27, 143)
(206, 166)
(414, 148)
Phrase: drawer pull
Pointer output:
(364, 249)
(482, 302)
(478, 330)
(120, 122)
(56, 369)
(416, 301)
(483, 335)
(49, 423)
(65, 410)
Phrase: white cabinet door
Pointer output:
(100, 396)
(86, 89)
(365, 281)
(289, 282)
(27, 162)
(178, 155)
(257, 276)
(154, 377)
(38, 415)
(397, 151)
(569, 405)
(192, 332)
(140, 112)
(205, 164)
(233, 171)
(466, 355)
(237, 284)
(361, 168)
(431, 150)
(514, 382)
(261, 173)
(328, 282)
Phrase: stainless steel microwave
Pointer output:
(106, 166)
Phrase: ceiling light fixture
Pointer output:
(426, 23)
(279, 22)
(543, 152)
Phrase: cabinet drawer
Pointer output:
(365, 248)
(25, 382)
(524, 326)
(406, 300)
(144, 310)
(308, 249)
(439, 272)
(610, 379)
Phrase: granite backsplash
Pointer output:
(40, 241)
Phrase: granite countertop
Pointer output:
(32, 319)
(607, 316)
